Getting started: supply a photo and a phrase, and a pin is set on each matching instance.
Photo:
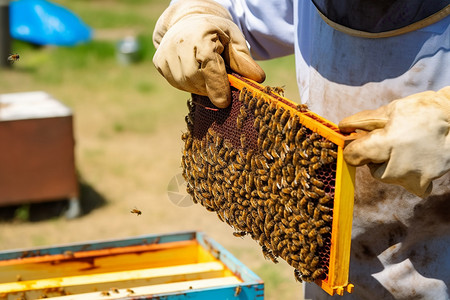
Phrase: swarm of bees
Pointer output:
(264, 174)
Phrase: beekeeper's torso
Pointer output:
(400, 243)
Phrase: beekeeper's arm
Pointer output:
(408, 143)
(195, 39)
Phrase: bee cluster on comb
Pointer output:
(266, 175)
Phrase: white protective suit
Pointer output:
(400, 242)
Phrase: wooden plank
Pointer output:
(152, 275)
(155, 290)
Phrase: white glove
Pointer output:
(408, 143)
(194, 41)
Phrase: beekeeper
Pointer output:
(379, 66)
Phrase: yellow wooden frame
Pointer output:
(337, 280)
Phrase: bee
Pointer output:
(304, 183)
(260, 102)
(114, 290)
(324, 208)
(268, 254)
(304, 162)
(324, 230)
(327, 218)
(237, 291)
(325, 199)
(303, 202)
(316, 166)
(130, 291)
(299, 135)
(13, 58)
(306, 142)
(243, 112)
(284, 117)
(239, 122)
(256, 123)
(317, 273)
(298, 275)
(302, 107)
(136, 211)
(243, 140)
(317, 182)
(318, 191)
(333, 153)
(239, 233)
(319, 239)
(279, 90)
(104, 293)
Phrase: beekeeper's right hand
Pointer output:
(195, 39)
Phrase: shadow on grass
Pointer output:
(89, 200)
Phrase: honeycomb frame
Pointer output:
(207, 162)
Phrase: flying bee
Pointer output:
(13, 58)
(136, 211)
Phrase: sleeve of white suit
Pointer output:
(268, 26)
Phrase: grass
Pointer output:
(127, 122)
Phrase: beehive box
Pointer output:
(274, 170)
(186, 265)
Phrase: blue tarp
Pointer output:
(44, 23)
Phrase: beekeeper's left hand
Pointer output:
(408, 143)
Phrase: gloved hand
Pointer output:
(194, 41)
(408, 143)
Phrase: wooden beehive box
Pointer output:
(185, 265)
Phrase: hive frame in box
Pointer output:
(199, 268)
(337, 279)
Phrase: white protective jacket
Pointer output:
(400, 242)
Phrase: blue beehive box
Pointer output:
(185, 265)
